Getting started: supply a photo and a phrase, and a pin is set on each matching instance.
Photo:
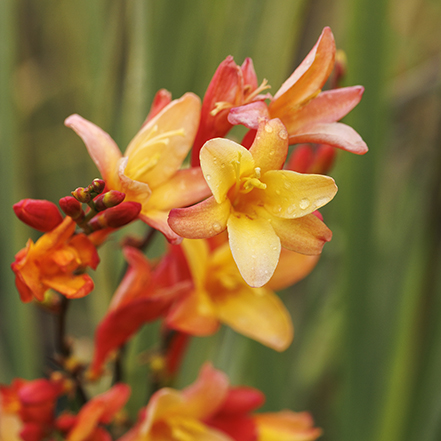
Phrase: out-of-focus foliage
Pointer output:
(366, 355)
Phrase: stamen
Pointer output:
(261, 88)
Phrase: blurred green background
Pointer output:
(366, 358)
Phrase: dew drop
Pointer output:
(287, 185)
(208, 177)
(283, 134)
(217, 227)
(304, 203)
(268, 128)
(277, 191)
(291, 209)
(277, 209)
(214, 160)
(271, 152)
(222, 165)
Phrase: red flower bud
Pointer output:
(71, 207)
(108, 200)
(116, 217)
(301, 159)
(97, 185)
(38, 213)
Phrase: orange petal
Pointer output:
(270, 145)
(336, 134)
(73, 287)
(185, 188)
(195, 314)
(101, 147)
(327, 107)
(286, 426)
(305, 235)
(258, 314)
(222, 162)
(255, 248)
(307, 79)
(200, 221)
(291, 195)
(159, 221)
(160, 147)
(196, 253)
(292, 268)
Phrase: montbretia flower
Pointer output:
(55, 261)
(309, 114)
(211, 410)
(148, 172)
(231, 86)
(38, 213)
(220, 295)
(262, 207)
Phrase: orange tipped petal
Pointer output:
(200, 221)
(305, 235)
(255, 248)
(101, 147)
(327, 107)
(258, 314)
(291, 195)
(73, 287)
(162, 98)
(307, 79)
(336, 134)
(270, 145)
(292, 268)
(219, 162)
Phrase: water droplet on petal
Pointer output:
(271, 152)
(217, 227)
(208, 177)
(291, 209)
(277, 191)
(304, 203)
(268, 128)
(222, 165)
(277, 209)
(283, 134)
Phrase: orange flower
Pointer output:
(220, 295)
(261, 206)
(55, 261)
(309, 114)
(149, 172)
(211, 410)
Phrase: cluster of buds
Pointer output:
(106, 210)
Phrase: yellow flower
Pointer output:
(262, 207)
(148, 172)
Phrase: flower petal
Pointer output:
(258, 314)
(219, 163)
(73, 287)
(186, 187)
(291, 195)
(327, 107)
(286, 426)
(255, 248)
(336, 134)
(159, 148)
(200, 221)
(305, 235)
(249, 115)
(307, 79)
(270, 145)
(195, 314)
(101, 147)
(292, 268)
(196, 253)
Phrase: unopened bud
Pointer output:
(324, 159)
(116, 217)
(72, 207)
(108, 200)
(301, 159)
(82, 194)
(97, 185)
(38, 213)
(38, 391)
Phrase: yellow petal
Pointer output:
(255, 247)
(160, 147)
(290, 195)
(200, 221)
(305, 235)
(270, 145)
(135, 190)
(257, 313)
(196, 252)
(223, 161)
